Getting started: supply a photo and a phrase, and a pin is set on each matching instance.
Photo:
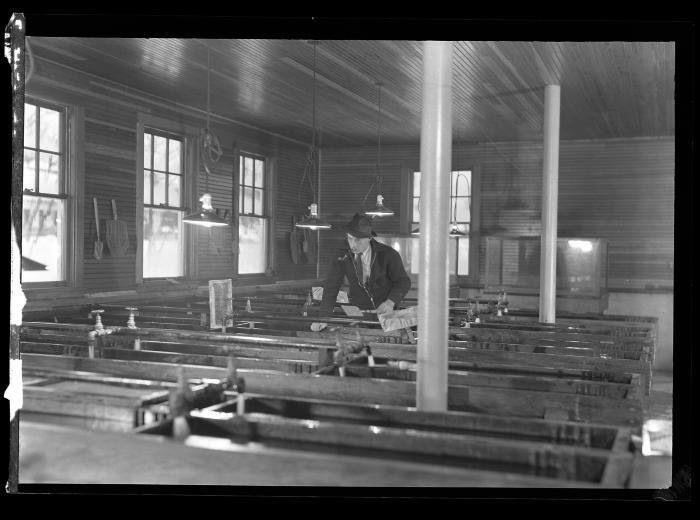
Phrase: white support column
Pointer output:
(435, 166)
(550, 193)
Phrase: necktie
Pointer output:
(358, 268)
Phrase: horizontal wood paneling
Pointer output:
(610, 89)
(618, 190)
(109, 152)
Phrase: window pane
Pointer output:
(49, 130)
(146, 187)
(159, 152)
(463, 212)
(42, 239)
(247, 200)
(174, 154)
(452, 244)
(415, 258)
(162, 243)
(248, 171)
(416, 212)
(252, 234)
(462, 183)
(240, 200)
(29, 125)
(174, 190)
(463, 258)
(28, 175)
(158, 188)
(259, 174)
(48, 173)
(416, 184)
(147, 144)
(259, 209)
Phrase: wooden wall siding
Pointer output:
(346, 177)
(618, 190)
(215, 259)
(293, 198)
(110, 173)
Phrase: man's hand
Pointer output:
(317, 327)
(386, 306)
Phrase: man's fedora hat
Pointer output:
(360, 227)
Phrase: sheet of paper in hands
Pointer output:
(352, 310)
(400, 319)
(342, 297)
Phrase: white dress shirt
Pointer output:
(366, 257)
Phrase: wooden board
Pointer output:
(500, 401)
(55, 454)
(569, 433)
(390, 442)
(220, 304)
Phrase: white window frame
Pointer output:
(71, 188)
(190, 140)
(473, 234)
(267, 210)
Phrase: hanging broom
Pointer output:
(98, 242)
(117, 235)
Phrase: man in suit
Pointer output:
(374, 271)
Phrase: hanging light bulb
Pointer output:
(312, 220)
(379, 210)
(211, 150)
(455, 232)
(206, 216)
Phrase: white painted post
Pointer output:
(435, 165)
(550, 192)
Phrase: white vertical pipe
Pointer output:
(550, 193)
(433, 282)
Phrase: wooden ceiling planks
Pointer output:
(609, 89)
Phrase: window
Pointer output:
(163, 185)
(252, 215)
(460, 219)
(45, 200)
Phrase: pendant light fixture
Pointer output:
(312, 220)
(379, 210)
(211, 152)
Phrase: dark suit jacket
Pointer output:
(387, 280)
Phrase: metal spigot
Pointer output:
(98, 320)
(131, 322)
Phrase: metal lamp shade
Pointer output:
(312, 221)
(379, 209)
(206, 216)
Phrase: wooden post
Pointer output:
(16, 29)
(180, 401)
(433, 281)
(550, 192)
